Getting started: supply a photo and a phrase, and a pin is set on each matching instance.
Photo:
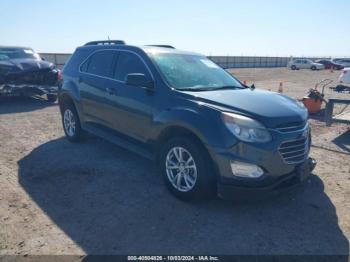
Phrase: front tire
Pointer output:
(71, 123)
(294, 67)
(186, 169)
(313, 68)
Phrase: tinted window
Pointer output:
(100, 63)
(84, 66)
(129, 63)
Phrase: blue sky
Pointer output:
(216, 27)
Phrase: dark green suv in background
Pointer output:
(209, 133)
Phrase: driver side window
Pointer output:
(129, 63)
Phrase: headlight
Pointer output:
(245, 128)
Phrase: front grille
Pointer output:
(36, 78)
(295, 151)
(291, 127)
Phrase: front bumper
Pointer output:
(27, 89)
(283, 183)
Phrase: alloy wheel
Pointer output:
(69, 122)
(181, 169)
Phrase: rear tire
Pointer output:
(186, 169)
(313, 68)
(71, 123)
(294, 67)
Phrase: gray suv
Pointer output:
(208, 133)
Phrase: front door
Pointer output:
(131, 106)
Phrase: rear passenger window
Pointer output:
(129, 63)
(100, 64)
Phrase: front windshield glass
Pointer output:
(194, 72)
(14, 53)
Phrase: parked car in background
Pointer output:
(342, 61)
(329, 64)
(23, 72)
(345, 76)
(297, 64)
(207, 132)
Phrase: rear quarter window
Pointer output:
(72, 65)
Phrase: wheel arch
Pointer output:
(64, 99)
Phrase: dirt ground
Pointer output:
(95, 198)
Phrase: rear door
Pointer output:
(302, 64)
(131, 106)
(95, 79)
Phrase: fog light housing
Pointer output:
(247, 170)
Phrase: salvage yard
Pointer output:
(95, 198)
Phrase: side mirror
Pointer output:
(136, 79)
(43, 59)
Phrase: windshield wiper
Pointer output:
(194, 89)
(211, 88)
(225, 87)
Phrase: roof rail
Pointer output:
(106, 42)
(165, 46)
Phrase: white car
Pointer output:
(304, 64)
(345, 76)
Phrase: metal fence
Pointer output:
(249, 61)
(255, 61)
(58, 59)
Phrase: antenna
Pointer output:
(108, 38)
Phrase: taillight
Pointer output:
(59, 75)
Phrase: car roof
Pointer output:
(157, 49)
(148, 49)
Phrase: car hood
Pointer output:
(24, 65)
(270, 108)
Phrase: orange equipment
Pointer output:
(313, 100)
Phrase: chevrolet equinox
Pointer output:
(208, 133)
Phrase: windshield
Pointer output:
(13, 53)
(193, 72)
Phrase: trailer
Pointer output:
(343, 116)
